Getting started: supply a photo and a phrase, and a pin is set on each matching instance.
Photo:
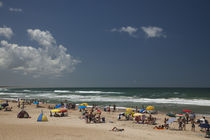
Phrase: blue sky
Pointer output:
(104, 43)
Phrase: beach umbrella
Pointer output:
(85, 104)
(36, 103)
(170, 120)
(82, 107)
(57, 106)
(186, 110)
(171, 115)
(179, 115)
(42, 118)
(137, 114)
(150, 108)
(63, 110)
(129, 109)
(204, 125)
(127, 113)
(55, 110)
(142, 110)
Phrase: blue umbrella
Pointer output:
(83, 106)
(36, 103)
(58, 106)
(170, 120)
(142, 110)
(204, 125)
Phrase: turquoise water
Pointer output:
(164, 99)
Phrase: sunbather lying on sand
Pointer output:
(159, 127)
(117, 129)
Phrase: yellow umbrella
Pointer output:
(55, 110)
(85, 104)
(129, 109)
(127, 113)
(137, 114)
(150, 108)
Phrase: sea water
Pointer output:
(164, 99)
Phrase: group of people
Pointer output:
(93, 115)
(146, 120)
(108, 108)
(5, 106)
(143, 119)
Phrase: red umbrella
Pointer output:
(63, 110)
(186, 110)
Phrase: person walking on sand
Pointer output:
(184, 123)
(193, 125)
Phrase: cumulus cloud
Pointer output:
(15, 9)
(152, 32)
(48, 60)
(6, 32)
(130, 30)
(44, 38)
(1, 4)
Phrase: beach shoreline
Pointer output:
(73, 127)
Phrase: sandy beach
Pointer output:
(75, 128)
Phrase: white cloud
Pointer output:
(6, 32)
(130, 30)
(152, 32)
(49, 60)
(44, 38)
(15, 9)
(1, 4)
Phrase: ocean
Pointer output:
(164, 99)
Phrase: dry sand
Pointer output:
(75, 128)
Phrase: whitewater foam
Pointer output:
(97, 92)
(62, 91)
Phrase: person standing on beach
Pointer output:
(18, 104)
(108, 109)
(193, 125)
(23, 104)
(180, 123)
(114, 108)
(184, 123)
(187, 117)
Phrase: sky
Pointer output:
(105, 43)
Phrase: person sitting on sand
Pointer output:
(8, 108)
(62, 114)
(121, 114)
(51, 114)
(137, 119)
(56, 115)
(117, 129)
